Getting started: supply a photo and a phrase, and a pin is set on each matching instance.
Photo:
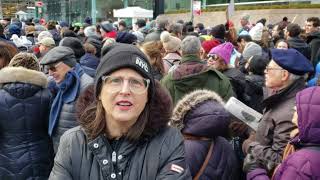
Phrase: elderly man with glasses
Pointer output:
(68, 80)
(284, 77)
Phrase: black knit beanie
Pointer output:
(124, 56)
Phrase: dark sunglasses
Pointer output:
(213, 56)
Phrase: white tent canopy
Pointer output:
(132, 12)
(21, 15)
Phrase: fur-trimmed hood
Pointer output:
(23, 75)
(160, 109)
(201, 113)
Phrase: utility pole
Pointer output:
(94, 11)
(1, 15)
(191, 7)
(125, 3)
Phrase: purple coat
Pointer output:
(202, 114)
(305, 162)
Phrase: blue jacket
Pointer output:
(67, 113)
(25, 147)
(89, 60)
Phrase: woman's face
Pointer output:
(123, 96)
(282, 45)
(216, 62)
(275, 31)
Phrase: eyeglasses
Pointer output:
(115, 84)
(53, 67)
(270, 68)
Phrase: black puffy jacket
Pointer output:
(25, 147)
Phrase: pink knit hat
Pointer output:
(224, 51)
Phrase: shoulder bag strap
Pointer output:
(205, 163)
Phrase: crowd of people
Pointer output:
(147, 101)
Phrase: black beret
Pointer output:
(292, 61)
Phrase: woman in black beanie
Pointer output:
(123, 132)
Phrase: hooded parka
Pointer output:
(26, 150)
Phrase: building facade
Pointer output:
(73, 11)
(9, 8)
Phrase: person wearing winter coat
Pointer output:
(26, 150)
(253, 92)
(203, 121)
(220, 60)
(89, 59)
(68, 80)
(171, 45)
(315, 80)
(294, 41)
(153, 49)
(51, 26)
(123, 132)
(313, 38)
(193, 74)
(162, 24)
(284, 77)
(305, 160)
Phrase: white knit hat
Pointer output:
(256, 32)
(170, 43)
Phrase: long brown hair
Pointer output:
(93, 119)
(154, 50)
(7, 52)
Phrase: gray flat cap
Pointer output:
(60, 53)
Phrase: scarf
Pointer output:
(68, 91)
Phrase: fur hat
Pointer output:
(224, 51)
(26, 60)
(256, 32)
(170, 43)
(251, 49)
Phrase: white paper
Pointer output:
(244, 113)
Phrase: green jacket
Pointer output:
(193, 74)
